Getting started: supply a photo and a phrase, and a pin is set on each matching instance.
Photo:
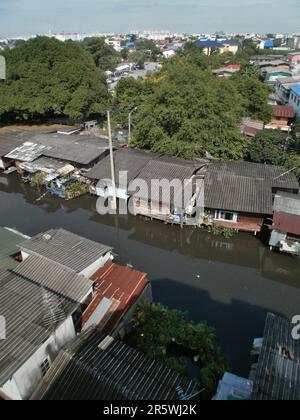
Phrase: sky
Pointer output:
(30, 17)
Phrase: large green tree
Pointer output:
(47, 78)
(275, 147)
(269, 146)
(156, 329)
(104, 55)
(183, 111)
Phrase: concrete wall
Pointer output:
(125, 326)
(2, 164)
(25, 380)
(91, 269)
(103, 192)
(295, 103)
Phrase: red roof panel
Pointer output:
(287, 223)
(283, 111)
(123, 286)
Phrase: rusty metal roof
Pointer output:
(283, 111)
(116, 289)
(287, 223)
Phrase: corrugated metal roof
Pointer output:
(31, 313)
(9, 246)
(27, 152)
(287, 223)
(237, 193)
(287, 203)
(55, 277)
(278, 369)
(277, 175)
(82, 150)
(283, 111)
(244, 186)
(122, 287)
(84, 371)
(66, 248)
(7, 144)
(46, 165)
(170, 169)
(209, 44)
(129, 160)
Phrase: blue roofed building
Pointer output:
(209, 46)
(294, 100)
(267, 44)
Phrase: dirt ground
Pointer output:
(32, 128)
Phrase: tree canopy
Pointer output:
(104, 56)
(47, 78)
(156, 329)
(183, 110)
(275, 147)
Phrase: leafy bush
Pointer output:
(37, 180)
(75, 189)
(156, 329)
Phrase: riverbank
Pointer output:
(231, 283)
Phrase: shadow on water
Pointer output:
(231, 283)
(236, 323)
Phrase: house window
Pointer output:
(45, 366)
(226, 216)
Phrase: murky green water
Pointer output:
(230, 283)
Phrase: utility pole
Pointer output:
(112, 164)
(129, 128)
(129, 124)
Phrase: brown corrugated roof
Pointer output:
(120, 285)
(283, 111)
(287, 223)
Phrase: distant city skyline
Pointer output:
(30, 17)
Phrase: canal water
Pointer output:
(230, 283)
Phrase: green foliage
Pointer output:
(156, 328)
(104, 56)
(76, 189)
(37, 180)
(149, 48)
(217, 230)
(184, 111)
(268, 147)
(275, 147)
(47, 78)
(255, 95)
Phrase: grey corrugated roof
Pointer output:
(287, 203)
(130, 160)
(31, 313)
(82, 150)
(245, 186)
(8, 144)
(55, 277)
(43, 164)
(86, 372)
(27, 152)
(257, 171)
(65, 248)
(9, 242)
(238, 193)
(167, 168)
(278, 369)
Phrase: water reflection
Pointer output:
(232, 283)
